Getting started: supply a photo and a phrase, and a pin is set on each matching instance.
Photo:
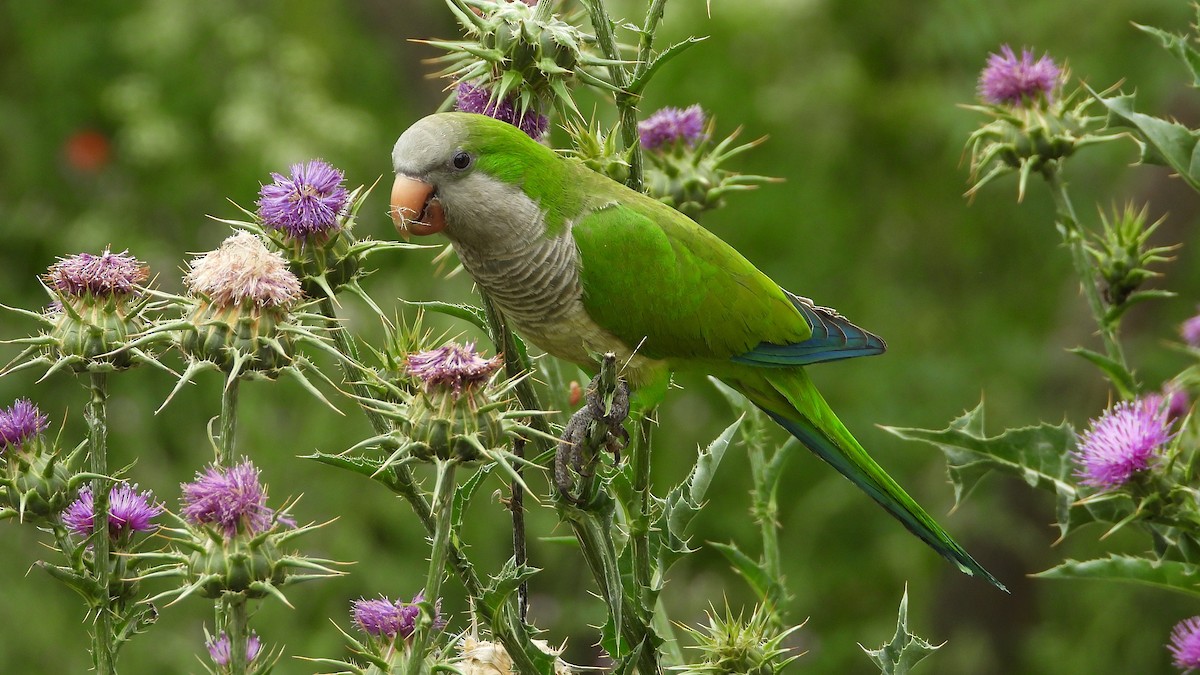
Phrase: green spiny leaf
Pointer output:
(1163, 142)
(750, 569)
(1169, 575)
(686, 499)
(905, 650)
(1121, 378)
(1180, 46)
(1039, 455)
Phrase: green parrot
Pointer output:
(580, 264)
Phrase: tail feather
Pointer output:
(790, 398)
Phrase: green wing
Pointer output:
(655, 278)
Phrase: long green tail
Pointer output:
(790, 398)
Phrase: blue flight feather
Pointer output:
(833, 338)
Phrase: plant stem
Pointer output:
(639, 521)
(237, 629)
(226, 448)
(443, 505)
(626, 101)
(514, 366)
(96, 414)
(506, 628)
(1075, 239)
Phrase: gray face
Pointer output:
(481, 212)
(425, 149)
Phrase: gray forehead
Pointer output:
(424, 145)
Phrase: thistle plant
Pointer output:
(447, 421)
(39, 480)
(730, 644)
(684, 164)
(1133, 465)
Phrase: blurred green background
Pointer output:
(126, 123)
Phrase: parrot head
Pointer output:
(466, 175)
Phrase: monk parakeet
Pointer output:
(581, 265)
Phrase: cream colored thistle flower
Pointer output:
(480, 657)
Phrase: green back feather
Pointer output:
(697, 298)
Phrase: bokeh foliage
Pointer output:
(197, 102)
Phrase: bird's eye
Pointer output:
(461, 160)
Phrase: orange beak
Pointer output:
(415, 208)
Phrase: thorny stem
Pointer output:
(626, 102)
(237, 629)
(226, 448)
(639, 521)
(96, 413)
(509, 630)
(443, 500)
(1074, 238)
(514, 366)
(766, 512)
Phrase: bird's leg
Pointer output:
(598, 425)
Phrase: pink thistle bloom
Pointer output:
(1185, 644)
(20, 422)
(219, 648)
(1125, 440)
(1190, 331)
(231, 500)
(307, 201)
(380, 617)
(671, 126)
(475, 99)
(128, 511)
(451, 367)
(243, 268)
(1018, 81)
(107, 274)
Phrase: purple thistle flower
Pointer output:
(386, 619)
(230, 500)
(475, 99)
(1185, 644)
(671, 126)
(1124, 440)
(1190, 330)
(410, 612)
(219, 648)
(107, 274)
(1172, 402)
(308, 201)
(128, 511)
(243, 267)
(20, 422)
(1009, 80)
(451, 367)
(376, 617)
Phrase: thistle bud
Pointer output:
(683, 166)
(235, 542)
(37, 481)
(97, 307)
(598, 151)
(242, 293)
(450, 416)
(518, 59)
(1034, 127)
(1123, 257)
(730, 645)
